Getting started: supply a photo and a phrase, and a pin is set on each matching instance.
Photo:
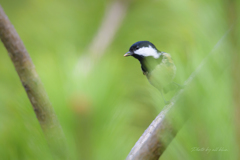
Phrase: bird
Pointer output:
(156, 65)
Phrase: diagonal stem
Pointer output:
(33, 87)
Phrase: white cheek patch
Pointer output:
(147, 51)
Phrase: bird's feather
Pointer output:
(163, 73)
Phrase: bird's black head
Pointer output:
(142, 49)
(141, 44)
(146, 53)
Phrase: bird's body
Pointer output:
(163, 74)
(158, 66)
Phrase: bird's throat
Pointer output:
(149, 63)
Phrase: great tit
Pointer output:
(156, 65)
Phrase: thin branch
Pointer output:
(33, 86)
(161, 132)
(112, 20)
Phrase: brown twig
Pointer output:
(112, 20)
(161, 131)
(33, 86)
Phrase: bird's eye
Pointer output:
(137, 47)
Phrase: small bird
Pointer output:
(156, 65)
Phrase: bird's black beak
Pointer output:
(128, 54)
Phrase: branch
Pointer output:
(33, 86)
(112, 20)
(161, 131)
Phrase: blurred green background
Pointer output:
(105, 109)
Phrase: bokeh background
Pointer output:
(101, 98)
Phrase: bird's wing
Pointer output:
(163, 73)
